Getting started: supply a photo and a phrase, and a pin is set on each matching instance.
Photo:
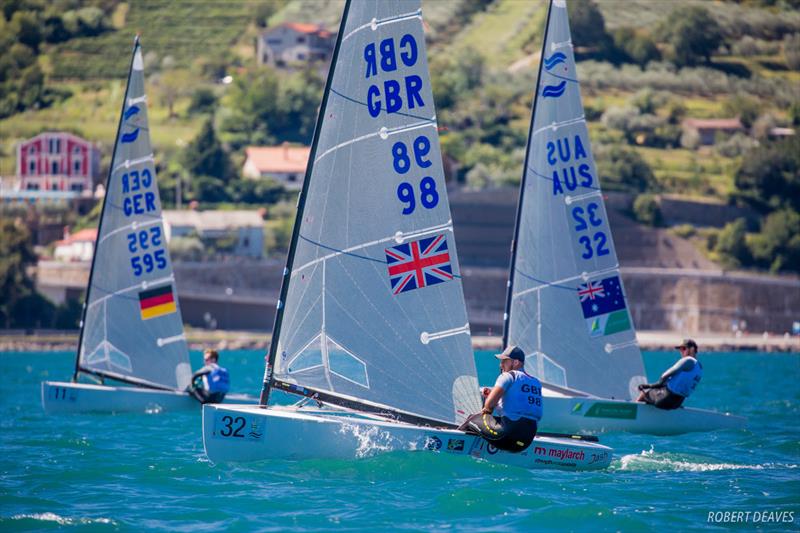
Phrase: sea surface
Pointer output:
(138, 472)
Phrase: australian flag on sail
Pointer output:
(416, 264)
(603, 306)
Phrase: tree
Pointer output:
(647, 210)
(731, 246)
(769, 176)
(172, 85)
(16, 255)
(638, 48)
(27, 27)
(777, 245)
(623, 169)
(588, 26)
(205, 156)
(693, 35)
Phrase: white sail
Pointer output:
(132, 328)
(374, 310)
(566, 304)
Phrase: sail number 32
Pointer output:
(586, 220)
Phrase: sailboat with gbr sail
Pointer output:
(371, 328)
(566, 306)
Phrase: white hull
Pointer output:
(592, 416)
(66, 397)
(234, 433)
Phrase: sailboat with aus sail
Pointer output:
(131, 330)
(566, 306)
(371, 330)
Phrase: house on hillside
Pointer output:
(708, 128)
(78, 246)
(239, 233)
(293, 42)
(57, 161)
(285, 163)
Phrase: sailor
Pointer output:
(677, 383)
(215, 380)
(512, 408)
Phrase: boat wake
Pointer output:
(371, 439)
(652, 461)
(61, 520)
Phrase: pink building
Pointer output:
(57, 161)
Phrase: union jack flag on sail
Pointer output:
(416, 264)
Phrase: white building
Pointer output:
(78, 246)
(243, 230)
(285, 163)
(293, 42)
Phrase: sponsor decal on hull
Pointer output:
(624, 411)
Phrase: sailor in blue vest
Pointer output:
(215, 380)
(677, 383)
(513, 407)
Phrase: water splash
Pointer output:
(371, 439)
(652, 461)
(63, 521)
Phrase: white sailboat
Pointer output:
(371, 326)
(566, 306)
(131, 331)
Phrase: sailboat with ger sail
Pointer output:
(371, 330)
(566, 306)
(131, 329)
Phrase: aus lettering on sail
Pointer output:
(392, 56)
(569, 163)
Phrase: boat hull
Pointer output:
(593, 416)
(67, 397)
(237, 433)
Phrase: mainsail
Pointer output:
(132, 328)
(566, 305)
(372, 310)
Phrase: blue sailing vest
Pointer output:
(523, 397)
(684, 382)
(218, 379)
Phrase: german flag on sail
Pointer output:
(157, 302)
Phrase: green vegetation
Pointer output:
(643, 71)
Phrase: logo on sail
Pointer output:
(554, 91)
(131, 135)
(603, 306)
(157, 302)
(551, 62)
(418, 264)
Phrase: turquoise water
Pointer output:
(128, 472)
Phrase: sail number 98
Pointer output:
(401, 161)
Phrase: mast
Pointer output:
(301, 202)
(102, 213)
(518, 218)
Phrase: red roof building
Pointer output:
(285, 163)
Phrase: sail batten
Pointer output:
(132, 329)
(566, 306)
(372, 306)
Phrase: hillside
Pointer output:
(484, 54)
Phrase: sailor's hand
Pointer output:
(644, 386)
(485, 391)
